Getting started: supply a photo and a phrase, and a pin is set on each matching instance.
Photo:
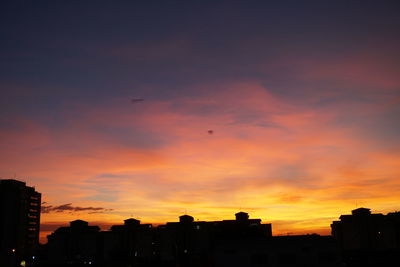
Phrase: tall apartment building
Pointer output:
(19, 221)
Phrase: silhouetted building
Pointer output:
(364, 230)
(184, 243)
(19, 221)
(76, 244)
(242, 227)
(393, 228)
(368, 239)
(303, 250)
(128, 244)
(192, 243)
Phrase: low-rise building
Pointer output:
(363, 230)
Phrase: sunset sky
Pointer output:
(302, 98)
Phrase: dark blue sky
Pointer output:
(54, 52)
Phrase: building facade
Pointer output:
(188, 243)
(363, 230)
(368, 239)
(19, 221)
(183, 243)
(75, 244)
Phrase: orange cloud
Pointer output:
(279, 160)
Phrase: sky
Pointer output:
(287, 110)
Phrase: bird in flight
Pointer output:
(210, 132)
(135, 100)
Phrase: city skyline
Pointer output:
(49, 228)
(288, 111)
(358, 239)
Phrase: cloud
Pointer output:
(305, 119)
(304, 163)
(69, 208)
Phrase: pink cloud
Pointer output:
(158, 159)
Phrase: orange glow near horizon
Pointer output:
(291, 165)
(289, 112)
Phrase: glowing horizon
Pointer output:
(302, 103)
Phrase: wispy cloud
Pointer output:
(306, 161)
(72, 209)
